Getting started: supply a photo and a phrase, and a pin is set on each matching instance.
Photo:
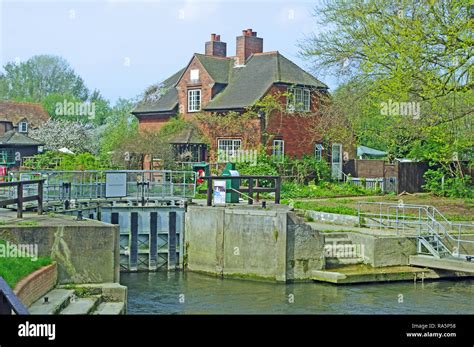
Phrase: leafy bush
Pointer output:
(265, 166)
(309, 166)
(315, 206)
(291, 190)
(62, 161)
(454, 186)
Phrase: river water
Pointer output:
(190, 293)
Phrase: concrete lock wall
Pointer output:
(154, 243)
(85, 251)
(251, 243)
(380, 251)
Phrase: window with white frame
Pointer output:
(194, 75)
(318, 151)
(194, 100)
(23, 127)
(298, 99)
(227, 149)
(278, 149)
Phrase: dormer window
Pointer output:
(23, 127)
(194, 75)
(194, 100)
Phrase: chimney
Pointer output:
(215, 47)
(248, 44)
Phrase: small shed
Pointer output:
(364, 152)
(189, 145)
(14, 146)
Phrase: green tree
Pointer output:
(40, 76)
(414, 51)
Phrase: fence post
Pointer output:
(19, 192)
(277, 189)
(209, 191)
(40, 197)
(250, 200)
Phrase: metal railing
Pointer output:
(9, 301)
(88, 185)
(368, 183)
(435, 232)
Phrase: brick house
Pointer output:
(215, 83)
(16, 120)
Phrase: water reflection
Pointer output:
(189, 293)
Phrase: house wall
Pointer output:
(297, 130)
(5, 126)
(205, 83)
(152, 123)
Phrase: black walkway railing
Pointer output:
(9, 301)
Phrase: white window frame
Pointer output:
(194, 75)
(318, 151)
(194, 100)
(298, 99)
(20, 127)
(278, 149)
(227, 149)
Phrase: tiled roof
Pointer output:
(15, 138)
(15, 112)
(245, 84)
(250, 82)
(167, 102)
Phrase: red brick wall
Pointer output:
(36, 284)
(246, 46)
(205, 83)
(296, 130)
(250, 137)
(152, 123)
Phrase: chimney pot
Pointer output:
(248, 44)
(215, 47)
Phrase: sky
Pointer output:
(123, 46)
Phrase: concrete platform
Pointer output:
(110, 308)
(451, 264)
(336, 228)
(353, 274)
(8, 218)
(81, 306)
(57, 300)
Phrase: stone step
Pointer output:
(110, 308)
(339, 236)
(57, 300)
(334, 262)
(338, 241)
(81, 306)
